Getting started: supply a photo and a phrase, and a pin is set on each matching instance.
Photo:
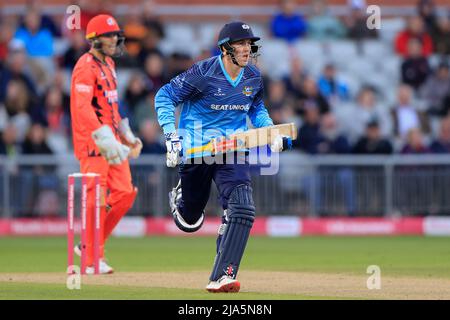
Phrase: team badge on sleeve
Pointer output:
(83, 88)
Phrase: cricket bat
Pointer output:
(248, 139)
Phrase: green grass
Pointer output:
(44, 291)
(406, 256)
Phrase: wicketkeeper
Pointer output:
(102, 140)
(217, 95)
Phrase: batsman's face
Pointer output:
(242, 50)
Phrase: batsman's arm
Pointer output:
(179, 89)
(165, 103)
(259, 116)
(258, 113)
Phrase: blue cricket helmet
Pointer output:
(235, 31)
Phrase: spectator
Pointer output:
(154, 70)
(445, 108)
(38, 42)
(322, 136)
(154, 31)
(278, 102)
(294, 81)
(151, 19)
(309, 131)
(441, 36)
(78, 47)
(427, 11)
(435, 89)
(136, 91)
(35, 143)
(135, 32)
(415, 143)
(8, 29)
(288, 25)
(415, 68)
(16, 69)
(405, 116)
(205, 53)
(442, 143)
(357, 116)
(40, 190)
(332, 141)
(150, 134)
(46, 22)
(144, 110)
(356, 22)
(8, 141)
(415, 177)
(149, 46)
(61, 81)
(332, 88)
(322, 25)
(373, 142)
(16, 108)
(310, 95)
(57, 119)
(177, 63)
(39, 46)
(414, 30)
(277, 97)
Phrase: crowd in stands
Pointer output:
(34, 73)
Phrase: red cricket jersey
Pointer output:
(93, 102)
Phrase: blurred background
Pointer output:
(372, 106)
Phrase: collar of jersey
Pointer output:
(98, 60)
(238, 79)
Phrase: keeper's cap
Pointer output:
(101, 25)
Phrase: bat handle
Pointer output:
(287, 143)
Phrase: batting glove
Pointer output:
(174, 149)
(281, 143)
(113, 151)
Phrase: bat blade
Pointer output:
(247, 139)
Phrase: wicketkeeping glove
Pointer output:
(281, 143)
(134, 143)
(174, 149)
(113, 151)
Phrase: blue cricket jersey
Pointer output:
(213, 105)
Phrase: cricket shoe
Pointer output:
(104, 268)
(224, 284)
(174, 200)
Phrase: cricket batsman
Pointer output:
(102, 140)
(217, 95)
